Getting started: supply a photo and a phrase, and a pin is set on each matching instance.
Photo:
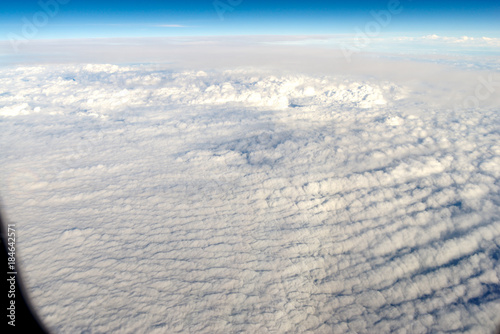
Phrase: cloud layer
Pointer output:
(151, 200)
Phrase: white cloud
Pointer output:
(464, 40)
(225, 200)
(15, 110)
(434, 36)
(170, 26)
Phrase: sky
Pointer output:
(91, 18)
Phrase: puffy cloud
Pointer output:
(160, 200)
(472, 41)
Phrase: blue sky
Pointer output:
(104, 18)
